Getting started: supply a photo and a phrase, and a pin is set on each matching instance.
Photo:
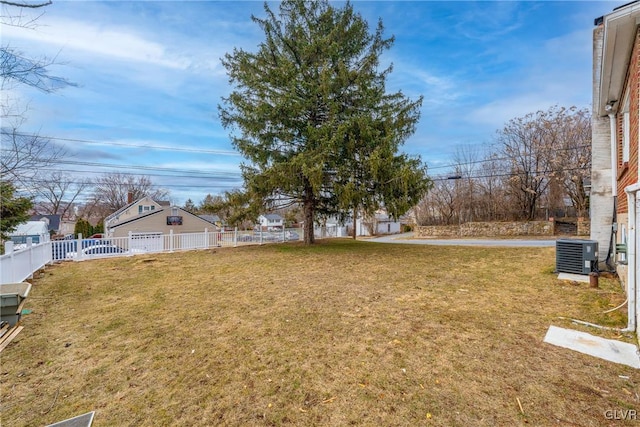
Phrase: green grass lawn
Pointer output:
(340, 333)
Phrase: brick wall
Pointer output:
(628, 171)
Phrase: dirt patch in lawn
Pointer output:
(341, 333)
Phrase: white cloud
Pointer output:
(115, 43)
(438, 89)
(486, 21)
(558, 72)
(498, 112)
(571, 45)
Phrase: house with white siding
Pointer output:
(270, 222)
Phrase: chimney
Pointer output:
(130, 197)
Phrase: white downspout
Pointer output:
(614, 156)
(632, 260)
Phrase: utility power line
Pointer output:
(503, 174)
(159, 175)
(146, 168)
(498, 159)
(120, 144)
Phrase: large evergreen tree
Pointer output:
(310, 113)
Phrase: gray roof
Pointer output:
(272, 216)
(211, 218)
(52, 221)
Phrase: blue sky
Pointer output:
(149, 78)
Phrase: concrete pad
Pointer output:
(573, 277)
(611, 350)
(84, 420)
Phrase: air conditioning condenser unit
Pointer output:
(576, 256)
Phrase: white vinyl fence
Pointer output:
(139, 243)
(18, 265)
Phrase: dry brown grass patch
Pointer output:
(342, 333)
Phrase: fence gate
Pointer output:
(147, 242)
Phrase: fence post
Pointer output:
(235, 237)
(30, 249)
(50, 252)
(283, 234)
(8, 250)
(260, 234)
(79, 248)
(171, 240)
(206, 238)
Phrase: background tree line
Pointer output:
(538, 167)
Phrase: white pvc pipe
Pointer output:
(593, 325)
(632, 261)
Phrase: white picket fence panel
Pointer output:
(19, 265)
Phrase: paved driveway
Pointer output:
(407, 238)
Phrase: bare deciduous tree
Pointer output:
(466, 160)
(93, 211)
(22, 154)
(13, 13)
(18, 69)
(57, 192)
(529, 143)
(32, 5)
(540, 161)
(491, 189)
(572, 161)
(439, 206)
(112, 190)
